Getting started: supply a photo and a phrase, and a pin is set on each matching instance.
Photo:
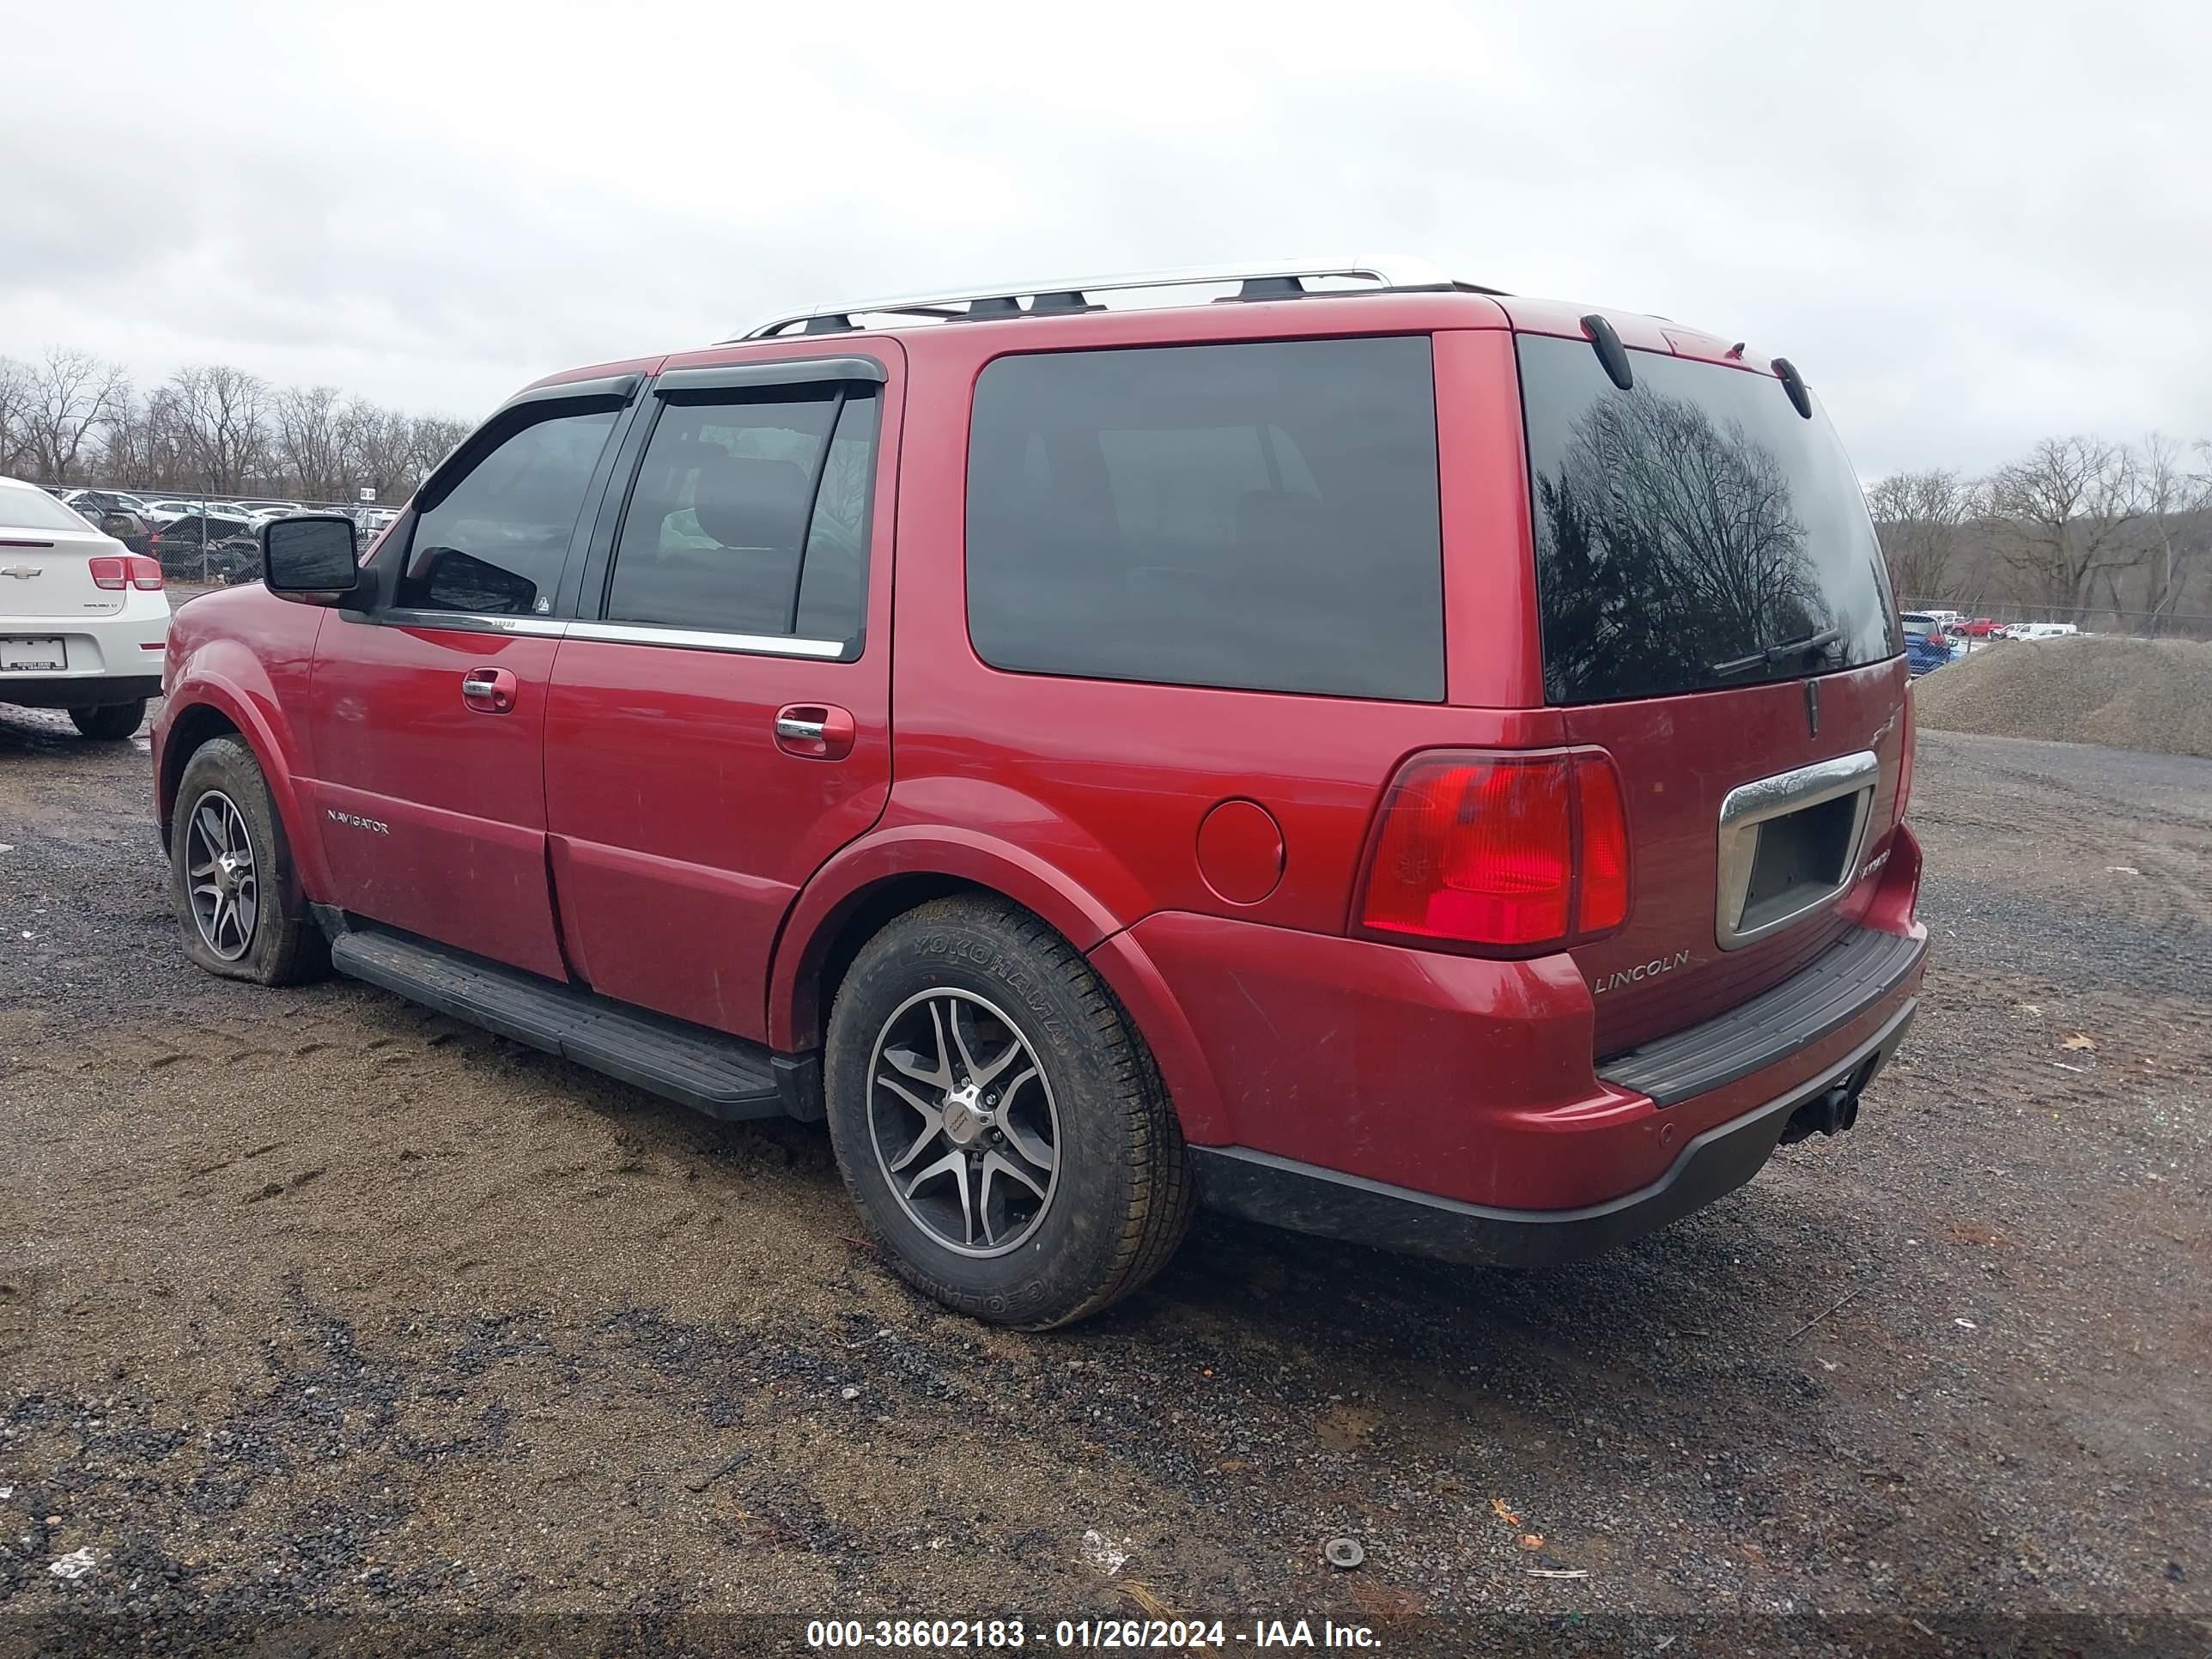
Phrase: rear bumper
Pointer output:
(1261, 1187)
(1341, 1083)
(77, 690)
(111, 658)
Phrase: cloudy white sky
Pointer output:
(1970, 225)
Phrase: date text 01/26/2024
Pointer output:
(1150, 1634)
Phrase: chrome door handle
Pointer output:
(801, 731)
(489, 690)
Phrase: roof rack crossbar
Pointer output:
(1387, 271)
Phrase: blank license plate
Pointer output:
(32, 653)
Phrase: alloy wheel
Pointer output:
(226, 889)
(965, 1126)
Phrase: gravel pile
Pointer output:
(2131, 694)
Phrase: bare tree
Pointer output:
(1920, 516)
(377, 446)
(14, 413)
(2177, 492)
(222, 424)
(66, 396)
(309, 443)
(2068, 518)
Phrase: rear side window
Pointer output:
(739, 523)
(495, 544)
(1259, 516)
(1691, 532)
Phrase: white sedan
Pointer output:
(83, 620)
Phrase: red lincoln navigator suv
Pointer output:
(1357, 749)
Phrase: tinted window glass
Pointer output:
(1687, 527)
(496, 542)
(716, 523)
(1262, 516)
(22, 508)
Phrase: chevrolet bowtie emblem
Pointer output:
(25, 571)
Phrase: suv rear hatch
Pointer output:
(46, 555)
(1715, 614)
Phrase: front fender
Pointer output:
(225, 675)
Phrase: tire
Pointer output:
(222, 801)
(111, 722)
(1073, 1234)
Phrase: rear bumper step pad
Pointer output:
(1824, 995)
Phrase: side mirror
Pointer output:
(312, 559)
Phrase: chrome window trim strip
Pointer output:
(470, 621)
(692, 639)
(1748, 806)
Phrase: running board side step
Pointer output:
(710, 1071)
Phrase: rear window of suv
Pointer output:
(1262, 516)
(1687, 528)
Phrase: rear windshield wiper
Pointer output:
(1776, 653)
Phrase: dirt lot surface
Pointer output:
(2138, 694)
(314, 1302)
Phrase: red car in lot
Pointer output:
(1377, 754)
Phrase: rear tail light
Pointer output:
(131, 570)
(1515, 853)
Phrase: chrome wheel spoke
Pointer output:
(1039, 1153)
(954, 1163)
(906, 1094)
(1015, 1049)
(933, 1123)
(910, 1062)
(999, 1163)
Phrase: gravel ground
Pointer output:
(2138, 694)
(311, 1303)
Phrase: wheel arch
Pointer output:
(211, 709)
(189, 730)
(887, 873)
(857, 894)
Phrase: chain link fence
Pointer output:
(2129, 624)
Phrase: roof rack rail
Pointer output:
(1061, 295)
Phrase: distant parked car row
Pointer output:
(161, 510)
(199, 540)
(1933, 638)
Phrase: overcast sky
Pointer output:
(1970, 225)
